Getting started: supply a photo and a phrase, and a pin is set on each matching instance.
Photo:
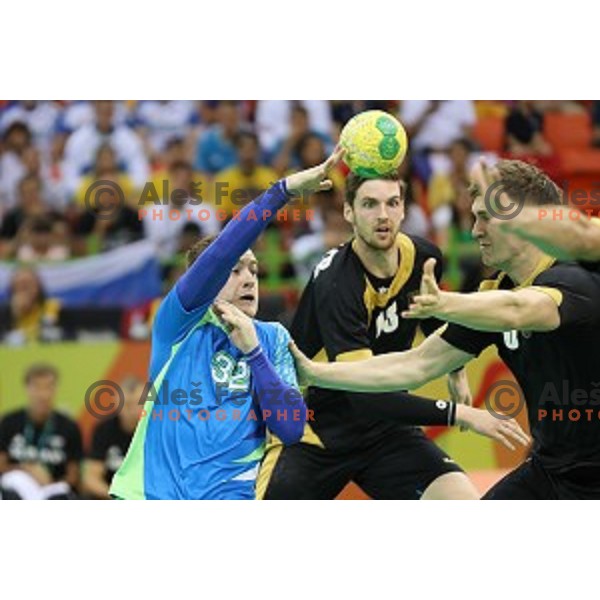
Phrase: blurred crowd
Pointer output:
(165, 155)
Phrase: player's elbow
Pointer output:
(292, 431)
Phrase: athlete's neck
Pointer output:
(381, 263)
(522, 266)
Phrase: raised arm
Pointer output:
(564, 238)
(201, 283)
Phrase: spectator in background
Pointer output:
(53, 190)
(274, 120)
(31, 204)
(307, 250)
(41, 118)
(40, 448)
(106, 168)
(43, 239)
(111, 441)
(82, 147)
(235, 187)
(109, 225)
(15, 140)
(432, 126)
(524, 126)
(417, 220)
(30, 314)
(159, 121)
(166, 217)
(444, 189)
(464, 269)
(286, 153)
(216, 147)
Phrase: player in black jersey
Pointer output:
(559, 230)
(544, 317)
(351, 309)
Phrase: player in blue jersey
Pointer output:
(202, 434)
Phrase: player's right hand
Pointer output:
(506, 431)
(314, 179)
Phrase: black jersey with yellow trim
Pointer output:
(347, 314)
(558, 371)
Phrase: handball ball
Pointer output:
(375, 143)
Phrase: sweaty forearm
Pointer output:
(496, 310)
(384, 373)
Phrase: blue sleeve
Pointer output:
(198, 287)
(281, 403)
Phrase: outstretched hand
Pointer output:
(316, 178)
(429, 299)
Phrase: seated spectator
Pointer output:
(307, 250)
(162, 120)
(524, 126)
(30, 315)
(216, 147)
(15, 140)
(432, 126)
(82, 147)
(30, 204)
(444, 188)
(49, 174)
(41, 118)
(274, 120)
(106, 167)
(286, 154)
(109, 225)
(40, 448)
(166, 218)
(111, 441)
(464, 269)
(235, 187)
(41, 241)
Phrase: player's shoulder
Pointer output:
(338, 267)
(424, 248)
(570, 274)
(271, 331)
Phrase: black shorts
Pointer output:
(532, 481)
(400, 465)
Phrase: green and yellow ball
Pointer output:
(375, 143)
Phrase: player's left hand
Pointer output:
(430, 298)
(241, 328)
